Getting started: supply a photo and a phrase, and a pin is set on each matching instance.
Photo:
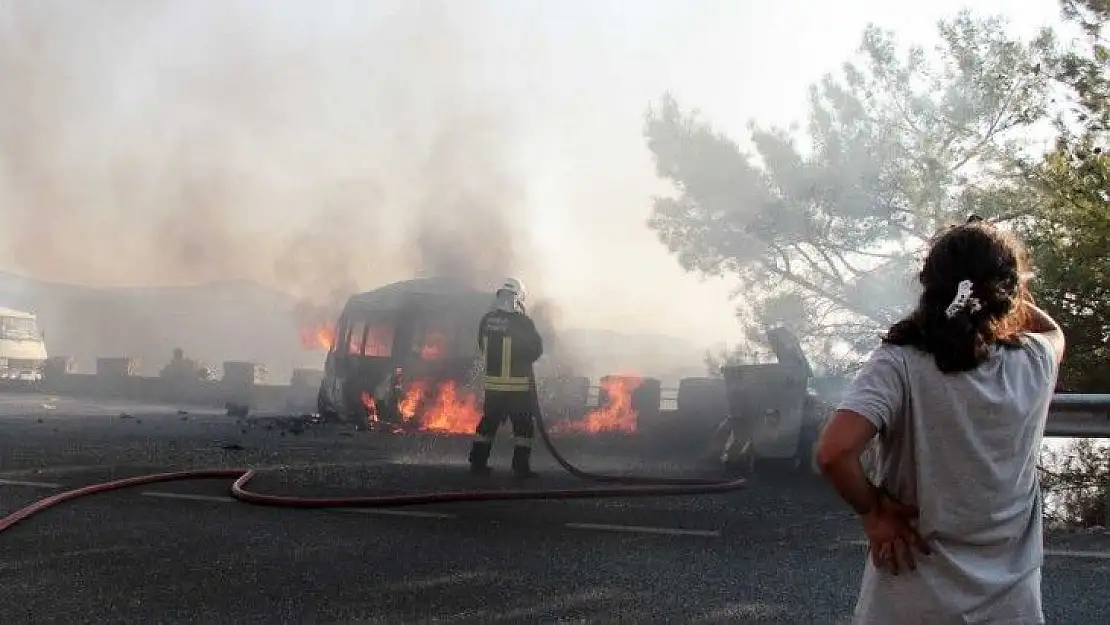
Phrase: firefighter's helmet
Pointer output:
(514, 287)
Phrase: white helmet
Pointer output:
(516, 288)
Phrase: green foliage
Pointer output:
(1070, 240)
(1076, 481)
(823, 238)
(1086, 72)
(1070, 234)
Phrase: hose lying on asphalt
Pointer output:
(621, 479)
(628, 486)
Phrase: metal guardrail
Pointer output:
(1075, 415)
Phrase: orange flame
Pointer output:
(452, 412)
(318, 337)
(371, 407)
(449, 409)
(373, 417)
(414, 397)
(617, 415)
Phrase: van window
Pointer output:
(436, 342)
(379, 340)
(354, 337)
(370, 336)
(434, 339)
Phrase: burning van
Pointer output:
(405, 356)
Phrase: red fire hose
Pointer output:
(631, 486)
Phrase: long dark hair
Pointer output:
(996, 264)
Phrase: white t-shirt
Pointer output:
(964, 448)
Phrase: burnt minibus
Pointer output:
(424, 329)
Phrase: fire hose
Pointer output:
(624, 486)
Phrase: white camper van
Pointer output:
(22, 348)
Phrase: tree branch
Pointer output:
(825, 293)
(816, 266)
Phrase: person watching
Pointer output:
(958, 395)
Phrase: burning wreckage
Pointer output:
(405, 358)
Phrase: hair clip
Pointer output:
(962, 300)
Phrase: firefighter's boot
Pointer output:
(522, 463)
(479, 457)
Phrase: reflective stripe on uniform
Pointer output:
(483, 439)
(504, 379)
(522, 441)
(493, 384)
(518, 380)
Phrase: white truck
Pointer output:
(22, 346)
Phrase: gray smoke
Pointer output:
(462, 228)
(130, 160)
(160, 143)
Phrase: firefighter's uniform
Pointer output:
(509, 345)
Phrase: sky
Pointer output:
(532, 111)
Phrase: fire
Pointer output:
(414, 397)
(447, 409)
(451, 412)
(617, 415)
(373, 417)
(371, 408)
(318, 337)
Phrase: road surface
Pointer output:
(782, 551)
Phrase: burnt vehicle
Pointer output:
(396, 347)
(776, 410)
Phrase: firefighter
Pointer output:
(510, 345)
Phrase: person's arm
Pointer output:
(1039, 322)
(838, 455)
(482, 329)
(872, 404)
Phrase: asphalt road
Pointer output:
(782, 551)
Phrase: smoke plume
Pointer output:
(162, 143)
(171, 142)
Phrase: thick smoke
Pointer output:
(462, 229)
(129, 159)
(162, 143)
